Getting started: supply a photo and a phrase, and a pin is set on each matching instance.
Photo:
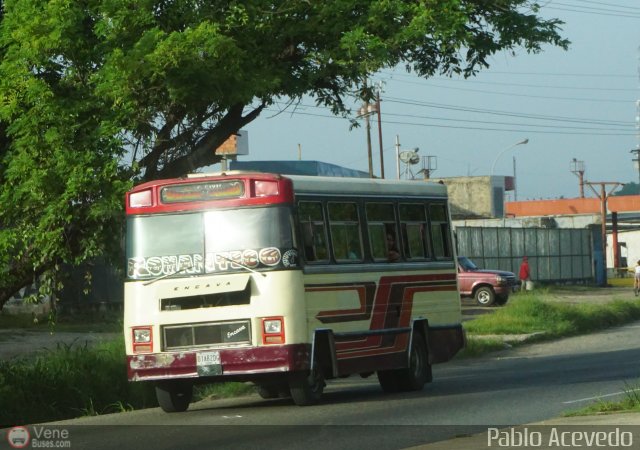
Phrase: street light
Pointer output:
(522, 142)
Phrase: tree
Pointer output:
(61, 185)
(90, 84)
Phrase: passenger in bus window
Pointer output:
(393, 254)
(308, 238)
(353, 255)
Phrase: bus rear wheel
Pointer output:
(411, 378)
(174, 395)
(307, 387)
(388, 380)
(418, 373)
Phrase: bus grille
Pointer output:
(208, 300)
(206, 334)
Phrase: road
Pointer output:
(516, 386)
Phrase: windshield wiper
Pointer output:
(167, 275)
(242, 265)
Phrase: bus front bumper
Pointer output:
(232, 363)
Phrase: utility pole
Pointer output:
(636, 160)
(397, 156)
(365, 112)
(603, 195)
(577, 168)
(515, 192)
(380, 132)
(369, 155)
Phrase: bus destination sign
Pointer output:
(200, 192)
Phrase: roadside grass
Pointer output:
(69, 381)
(530, 314)
(75, 380)
(630, 403)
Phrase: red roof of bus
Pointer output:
(281, 192)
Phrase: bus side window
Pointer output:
(314, 236)
(344, 226)
(440, 232)
(383, 238)
(413, 225)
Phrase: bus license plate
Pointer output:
(208, 364)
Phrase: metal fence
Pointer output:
(555, 254)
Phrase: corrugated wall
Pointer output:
(555, 254)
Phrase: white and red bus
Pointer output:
(287, 281)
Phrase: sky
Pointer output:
(580, 103)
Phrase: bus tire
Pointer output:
(485, 296)
(267, 392)
(174, 396)
(418, 373)
(306, 388)
(388, 380)
(271, 391)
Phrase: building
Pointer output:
(477, 197)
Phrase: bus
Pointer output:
(287, 282)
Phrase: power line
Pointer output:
(393, 73)
(415, 116)
(617, 9)
(474, 81)
(461, 127)
(585, 121)
(583, 11)
(510, 94)
(499, 113)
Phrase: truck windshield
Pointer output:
(210, 241)
(466, 263)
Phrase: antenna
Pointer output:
(409, 157)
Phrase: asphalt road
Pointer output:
(516, 386)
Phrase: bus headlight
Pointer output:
(273, 330)
(142, 339)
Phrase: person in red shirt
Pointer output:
(525, 273)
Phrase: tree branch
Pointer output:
(204, 153)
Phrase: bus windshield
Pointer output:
(209, 241)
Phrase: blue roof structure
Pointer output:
(316, 168)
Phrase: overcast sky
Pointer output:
(575, 104)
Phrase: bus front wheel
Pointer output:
(307, 387)
(174, 395)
